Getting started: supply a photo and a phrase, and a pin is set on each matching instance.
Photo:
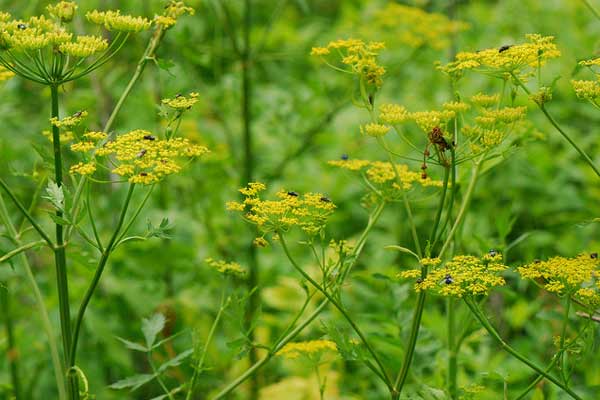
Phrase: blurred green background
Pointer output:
(538, 202)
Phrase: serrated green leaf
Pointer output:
(132, 345)
(133, 382)
(176, 360)
(55, 196)
(151, 327)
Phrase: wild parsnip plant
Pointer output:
(355, 201)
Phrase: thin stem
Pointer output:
(12, 353)
(563, 338)
(20, 250)
(452, 349)
(438, 214)
(158, 378)
(555, 124)
(96, 279)
(39, 301)
(464, 206)
(26, 213)
(200, 364)
(374, 217)
(60, 257)
(492, 331)
(591, 8)
(339, 307)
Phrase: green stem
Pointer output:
(12, 352)
(591, 8)
(293, 333)
(149, 54)
(39, 301)
(340, 308)
(438, 214)
(555, 124)
(158, 378)
(60, 257)
(26, 214)
(464, 206)
(20, 250)
(211, 333)
(563, 338)
(492, 331)
(452, 349)
(98, 274)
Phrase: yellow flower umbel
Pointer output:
(382, 179)
(356, 57)
(180, 102)
(227, 268)
(416, 28)
(5, 74)
(308, 211)
(44, 49)
(577, 276)
(171, 14)
(587, 89)
(311, 349)
(138, 155)
(462, 276)
(505, 59)
(70, 121)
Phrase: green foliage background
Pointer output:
(538, 202)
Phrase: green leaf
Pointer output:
(59, 220)
(132, 345)
(176, 360)
(133, 382)
(163, 231)
(55, 196)
(151, 327)
(402, 250)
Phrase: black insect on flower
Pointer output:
(22, 26)
(537, 261)
(504, 48)
(419, 280)
(149, 137)
(325, 199)
(594, 255)
(448, 279)
(142, 153)
(344, 157)
(78, 114)
(143, 174)
(492, 253)
(293, 194)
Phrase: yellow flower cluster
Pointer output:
(115, 21)
(140, 156)
(416, 28)
(84, 46)
(393, 114)
(308, 211)
(83, 168)
(586, 90)
(227, 268)
(485, 100)
(5, 74)
(310, 349)
(456, 106)
(65, 136)
(64, 10)
(70, 121)
(374, 130)
(180, 102)
(461, 276)
(32, 35)
(359, 56)
(509, 58)
(492, 126)
(427, 120)
(577, 276)
(382, 176)
(172, 12)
